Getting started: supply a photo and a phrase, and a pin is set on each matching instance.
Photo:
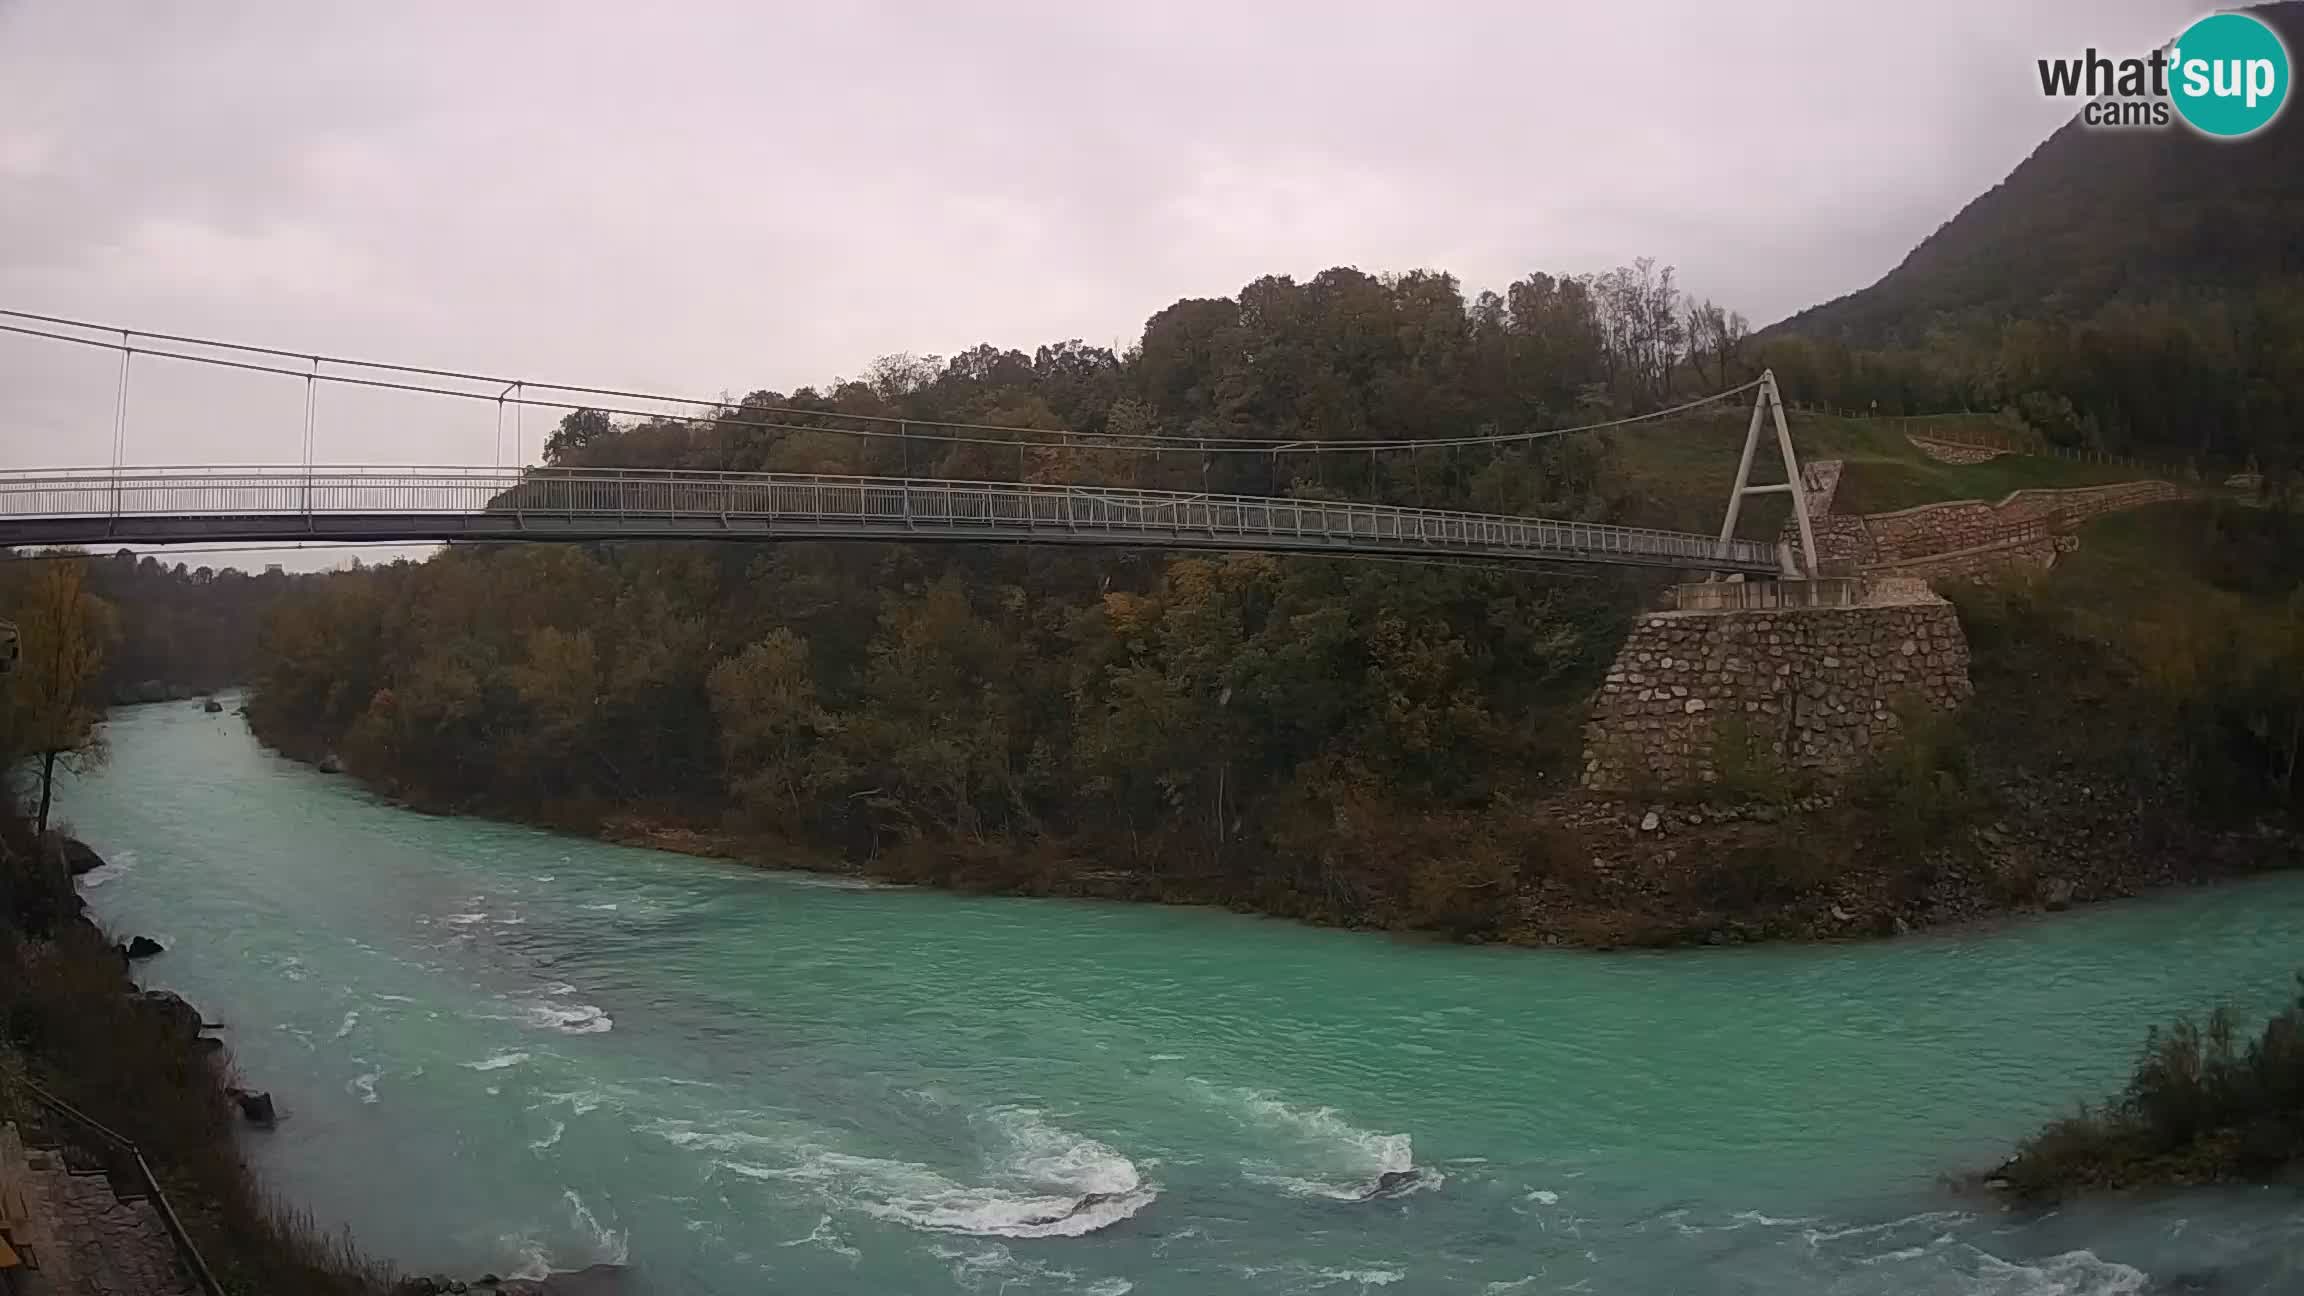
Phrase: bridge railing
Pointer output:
(635, 498)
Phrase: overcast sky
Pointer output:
(724, 195)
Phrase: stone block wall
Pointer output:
(1853, 543)
(2037, 551)
(1816, 688)
(1954, 453)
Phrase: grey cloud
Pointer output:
(724, 195)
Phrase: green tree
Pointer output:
(771, 726)
(578, 429)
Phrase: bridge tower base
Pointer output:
(1719, 688)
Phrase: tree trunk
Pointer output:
(47, 788)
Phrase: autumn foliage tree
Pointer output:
(50, 702)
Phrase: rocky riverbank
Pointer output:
(150, 1063)
(1585, 870)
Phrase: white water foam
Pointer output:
(558, 1128)
(1543, 1197)
(1336, 1159)
(364, 1085)
(571, 1019)
(1039, 1173)
(351, 1019)
(583, 1102)
(691, 1137)
(1980, 1273)
(1108, 1287)
(2074, 1273)
(535, 1263)
(601, 1245)
(1313, 1278)
(827, 1237)
(120, 865)
(1934, 1221)
(498, 1062)
(1366, 1278)
(609, 1246)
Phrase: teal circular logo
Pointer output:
(2228, 75)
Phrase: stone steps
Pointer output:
(87, 1237)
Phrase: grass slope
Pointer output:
(1678, 471)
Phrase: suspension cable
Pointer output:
(896, 427)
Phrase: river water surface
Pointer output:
(503, 1050)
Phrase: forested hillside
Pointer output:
(179, 629)
(2140, 291)
(1359, 741)
(1254, 719)
(169, 630)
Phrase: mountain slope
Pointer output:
(2093, 217)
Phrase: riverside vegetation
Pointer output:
(2204, 1106)
(69, 1016)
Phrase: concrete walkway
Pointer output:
(86, 1241)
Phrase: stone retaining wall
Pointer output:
(1953, 452)
(1851, 543)
(1815, 689)
(2038, 551)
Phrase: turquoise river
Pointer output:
(498, 1049)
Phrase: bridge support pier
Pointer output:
(1789, 677)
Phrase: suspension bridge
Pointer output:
(125, 504)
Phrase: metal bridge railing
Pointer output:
(635, 497)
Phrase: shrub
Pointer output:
(1767, 872)
(1922, 785)
(2200, 1107)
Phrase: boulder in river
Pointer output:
(179, 1016)
(143, 947)
(330, 765)
(79, 856)
(2056, 894)
(212, 707)
(255, 1106)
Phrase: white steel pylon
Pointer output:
(1769, 402)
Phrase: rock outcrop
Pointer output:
(79, 856)
(178, 1015)
(256, 1107)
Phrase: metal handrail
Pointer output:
(699, 497)
(168, 1220)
